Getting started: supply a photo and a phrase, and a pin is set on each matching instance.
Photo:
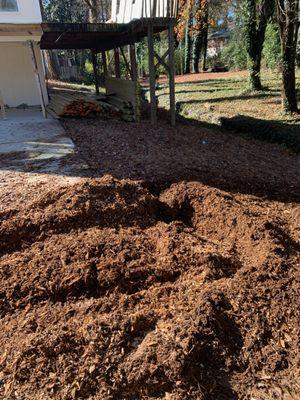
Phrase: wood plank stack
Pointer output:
(86, 105)
(125, 107)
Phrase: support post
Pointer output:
(152, 75)
(117, 63)
(95, 68)
(38, 78)
(126, 63)
(134, 77)
(104, 63)
(172, 74)
(134, 69)
(2, 106)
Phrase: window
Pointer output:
(8, 5)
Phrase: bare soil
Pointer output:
(176, 276)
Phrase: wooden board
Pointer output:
(126, 90)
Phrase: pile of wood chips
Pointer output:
(84, 108)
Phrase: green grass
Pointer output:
(214, 101)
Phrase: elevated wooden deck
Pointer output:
(131, 20)
(101, 36)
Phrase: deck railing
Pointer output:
(124, 11)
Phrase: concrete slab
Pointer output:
(26, 138)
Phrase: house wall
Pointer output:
(215, 46)
(29, 12)
(17, 79)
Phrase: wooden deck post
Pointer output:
(152, 75)
(2, 106)
(134, 69)
(104, 63)
(95, 68)
(38, 78)
(172, 74)
(117, 63)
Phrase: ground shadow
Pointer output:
(162, 155)
(193, 152)
(272, 131)
(227, 98)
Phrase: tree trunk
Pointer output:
(93, 7)
(198, 44)
(289, 97)
(188, 48)
(287, 17)
(254, 63)
(204, 44)
(256, 23)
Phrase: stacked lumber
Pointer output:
(85, 108)
(86, 105)
(81, 108)
(125, 107)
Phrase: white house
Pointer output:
(22, 76)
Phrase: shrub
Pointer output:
(234, 54)
(88, 73)
(271, 49)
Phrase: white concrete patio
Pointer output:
(26, 138)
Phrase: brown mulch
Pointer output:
(163, 155)
(177, 278)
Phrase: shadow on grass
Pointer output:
(270, 131)
(214, 82)
(263, 95)
(200, 91)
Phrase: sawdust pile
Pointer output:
(111, 292)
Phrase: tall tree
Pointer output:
(184, 31)
(99, 10)
(64, 11)
(93, 7)
(195, 17)
(205, 42)
(257, 13)
(188, 46)
(288, 19)
(200, 30)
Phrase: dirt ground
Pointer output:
(171, 273)
(204, 76)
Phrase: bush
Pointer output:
(234, 54)
(272, 50)
(88, 73)
(216, 63)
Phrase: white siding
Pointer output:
(29, 12)
(17, 80)
(130, 10)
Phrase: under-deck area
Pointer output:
(102, 37)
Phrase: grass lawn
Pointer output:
(207, 99)
(222, 100)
